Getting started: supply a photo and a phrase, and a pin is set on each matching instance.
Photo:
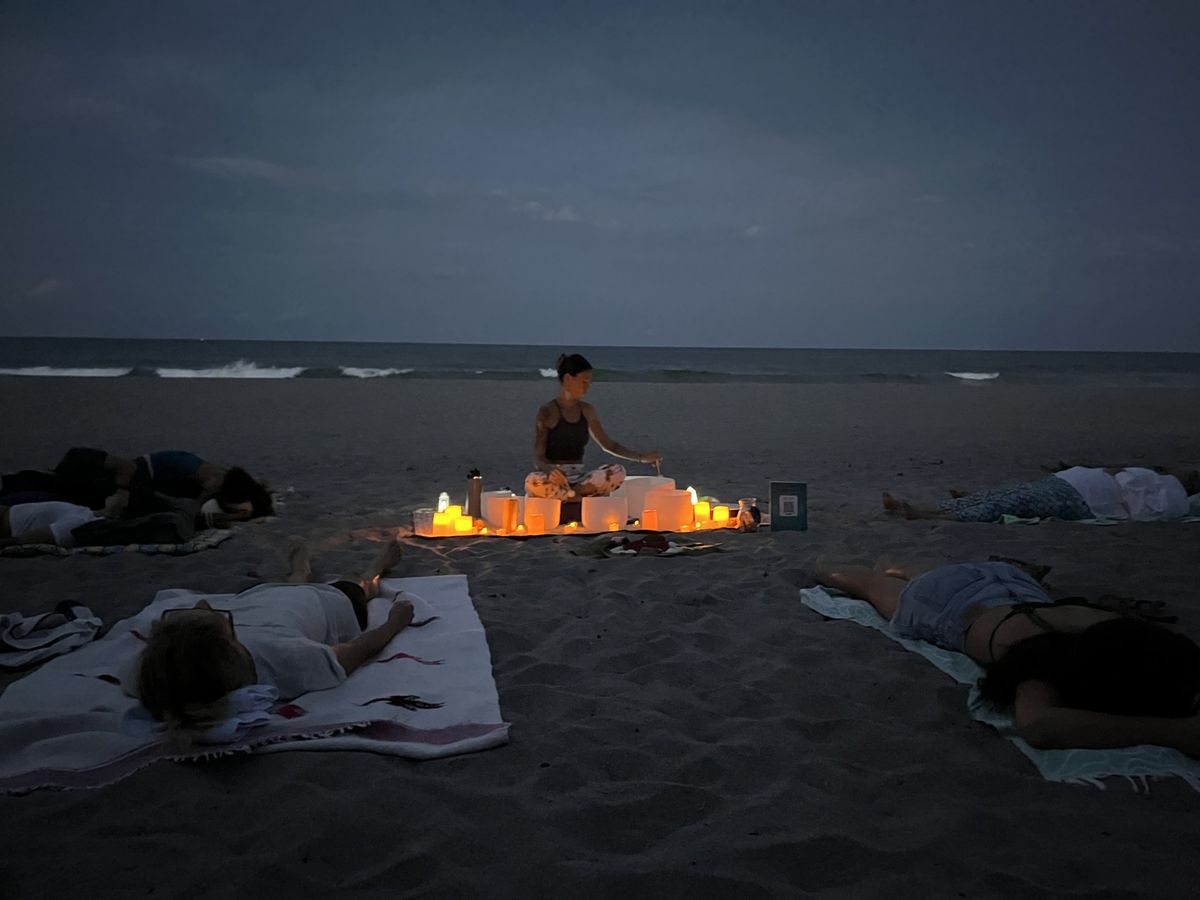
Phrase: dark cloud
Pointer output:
(852, 174)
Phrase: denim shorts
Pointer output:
(932, 605)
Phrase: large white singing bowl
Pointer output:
(493, 507)
(549, 509)
(674, 508)
(601, 513)
(635, 488)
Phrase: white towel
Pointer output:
(24, 641)
(69, 724)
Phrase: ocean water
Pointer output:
(95, 357)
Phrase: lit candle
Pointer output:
(650, 519)
(512, 512)
(537, 523)
(720, 515)
(441, 523)
(572, 524)
(453, 512)
(483, 530)
(613, 526)
(521, 526)
(703, 510)
(464, 525)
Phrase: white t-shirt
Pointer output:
(289, 630)
(1099, 490)
(59, 517)
(1151, 497)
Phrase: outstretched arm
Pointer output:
(613, 447)
(1042, 722)
(367, 645)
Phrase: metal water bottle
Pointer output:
(474, 494)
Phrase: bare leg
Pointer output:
(388, 557)
(902, 570)
(299, 564)
(881, 590)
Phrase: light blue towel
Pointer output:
(1070, 766)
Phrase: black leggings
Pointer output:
(358, 599)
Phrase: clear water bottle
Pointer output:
(443, 501)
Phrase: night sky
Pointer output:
(894, 174)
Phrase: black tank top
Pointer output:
(566, 440)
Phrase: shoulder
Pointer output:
(547, 413)
(589, 411)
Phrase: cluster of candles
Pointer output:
(704, 515)
(451, 521)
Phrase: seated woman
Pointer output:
(132, 487)
(1074, 675)
(48, 522)
(561, 433)
(296, 636)
(1136, 494)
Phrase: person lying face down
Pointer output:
(296, 636)
(1073, 675)
(130, 486)
(562, 429)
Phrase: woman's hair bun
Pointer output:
(562, 358)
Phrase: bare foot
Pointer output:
(389, 556)
(299, 562)
(825, 571)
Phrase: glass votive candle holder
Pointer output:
(464, 525)
(702, 510)
(720, 515)
(537, 523)
(650, 519)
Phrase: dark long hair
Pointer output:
(571, 364)
(1123, 666)
(238, 487)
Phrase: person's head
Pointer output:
(242, 497)
(1123, 666)
(575, 373)
(191, 662)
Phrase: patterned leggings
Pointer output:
(597, 483)
(1050, 497)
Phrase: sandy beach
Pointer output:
(680, 727)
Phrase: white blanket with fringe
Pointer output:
(70, 724)
(1076, 766)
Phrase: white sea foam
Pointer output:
(974, 376)
(549, 373)
(355, 372)
(68, 373)
(239, 369)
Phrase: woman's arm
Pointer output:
(541, 427)
(353, 654)
(613, 447)
(1046, 725)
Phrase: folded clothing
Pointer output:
(27, 640)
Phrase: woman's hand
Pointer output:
(654, 458)
(400, 615)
